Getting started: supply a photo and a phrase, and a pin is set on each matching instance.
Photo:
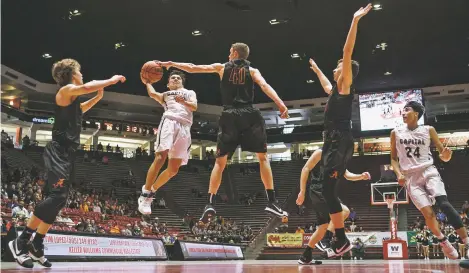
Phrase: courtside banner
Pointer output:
(371, 239)
(288, 240)
(68, 246)
(200, 251)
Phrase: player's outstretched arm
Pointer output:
(326, 84)
(87, 105)
(67, 92)
(357, 177)
(269, 91)
(395, 160)
(192, 68)
(347, 76)
(445, 152)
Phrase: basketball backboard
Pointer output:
(382, 191)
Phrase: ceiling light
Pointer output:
(196, 33)
(12, 102)
(295, 55)
(46, 56)
(382, 45)
(309, 81)
(72, 14)
(377, 7)
(119, 45)
(387, 73)
(278, 21)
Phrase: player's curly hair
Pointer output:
(63, 70)
(355, 67)
(180, 73)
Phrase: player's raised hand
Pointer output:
(446, 154)
(300, 199)
(362, 12)
(313, 64)
(366, 176)
(166, 65)
(401, 179)
(117, 78)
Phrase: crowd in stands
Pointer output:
(220, 230)
(87, 209)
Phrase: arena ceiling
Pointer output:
(425, 43)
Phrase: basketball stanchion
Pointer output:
(394, 248)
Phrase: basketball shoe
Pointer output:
(448, 249)
(19, 250)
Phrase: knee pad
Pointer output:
(48, 209)
(451, 213)
(329, 194)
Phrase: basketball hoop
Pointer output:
(390, 202)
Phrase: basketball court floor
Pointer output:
(250, 266)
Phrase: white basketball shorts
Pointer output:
(424, 185)
(174, 137)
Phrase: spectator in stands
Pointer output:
(84, 207)
(118, 149)
(108, 148)
(30, 211)
(418, 223)
(96, 207)
(115, 229)
(441, 217)
(360, 229)
(105, 160)
(12, 191)
(166, 239)
(137, 231)
(126, 231)
(163, 228)
(99, 148)
(13, 202)
(358, 250)
(26, 142)
(300, 230)
(85, 157)
(19, 211)
(465, 206)
(80, 227)
(4, 191)
(353, 215)
(353, 227)
(162, 204)
(463, 216)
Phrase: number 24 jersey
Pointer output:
(413, 148)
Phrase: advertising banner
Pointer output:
(70, 246)
(288, 240)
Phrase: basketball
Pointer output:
(151, 71)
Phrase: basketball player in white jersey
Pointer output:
(412, 162)
(174, 136)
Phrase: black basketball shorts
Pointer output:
(336, 153)
(59, 162)
(241, 126)
(319, 204)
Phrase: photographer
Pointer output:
(358, 250)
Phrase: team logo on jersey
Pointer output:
(412, 141)
(334, 175)
(59, 184)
